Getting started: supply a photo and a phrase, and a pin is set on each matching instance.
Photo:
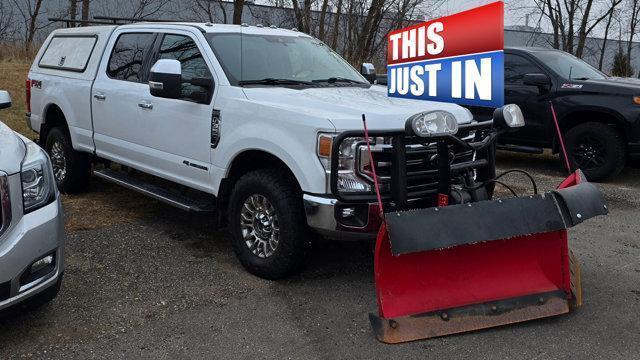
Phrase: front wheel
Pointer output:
(71, 169)
(597, 149)
(268, 226)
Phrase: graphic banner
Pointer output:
(457, 58)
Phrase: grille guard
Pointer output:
(398, 184)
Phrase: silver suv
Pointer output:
(31, 221)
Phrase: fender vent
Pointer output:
(215, 128)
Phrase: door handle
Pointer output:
(146, 105)
(100, 97)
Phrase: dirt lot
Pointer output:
(145, 280)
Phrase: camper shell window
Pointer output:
(68, 52)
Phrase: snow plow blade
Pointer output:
(497, 262)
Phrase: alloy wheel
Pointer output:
(259, 226)
(58, 161)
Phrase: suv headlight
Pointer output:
(348, 181)
(38, 187)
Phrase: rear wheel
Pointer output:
(597, 149)
(268, 224)
(71, 169)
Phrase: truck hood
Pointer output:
(12, 150)
(344, 106)
(613, 85)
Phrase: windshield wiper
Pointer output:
(274, 81)
(332, 80)
(581, 78)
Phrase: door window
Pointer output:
(128, 56)
(516, 67)
(185, 50)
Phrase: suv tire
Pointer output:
(268, 225)
(72, 169)
(597, 149)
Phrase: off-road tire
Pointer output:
(295, 237)
(610, 145)
(78, 166)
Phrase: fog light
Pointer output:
(353, 216)
(38, 269)
(42, 263)
(348, 212)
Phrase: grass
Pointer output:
(13, 74)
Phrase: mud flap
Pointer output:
(440, 277)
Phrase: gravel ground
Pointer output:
(145, 280)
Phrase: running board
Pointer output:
(519, 148)
(155, 191)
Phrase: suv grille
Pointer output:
(5, 203)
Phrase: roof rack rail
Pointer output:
(117, 20)
(68, 22)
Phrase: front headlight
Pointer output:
(348, 181)
(38, 187)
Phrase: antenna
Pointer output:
(570, 70)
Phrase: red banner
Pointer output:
(474, 31)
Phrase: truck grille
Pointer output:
(421, 164)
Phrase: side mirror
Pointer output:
(508, 118)
(369, 72)
(5, 99)
(165, 79)
(541, 81)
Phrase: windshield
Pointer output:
(249, 58)
(563, 64)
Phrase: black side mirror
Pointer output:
(369, 72)
(165, 79)
(541, 81)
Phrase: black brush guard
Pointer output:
(438, 177)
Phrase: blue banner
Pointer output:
(476, 79)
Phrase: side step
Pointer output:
(157, 192)
(519, 148)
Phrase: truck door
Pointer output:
(178, 131)
(120, 85)
(534, 104)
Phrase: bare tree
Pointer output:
(85, 9)
(73, 10)
(147, 8)
(29, 10)
(632, 23)
(207, 7)
(605, 38)
(7, 28)
(238, 6)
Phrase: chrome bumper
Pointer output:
(321, 217)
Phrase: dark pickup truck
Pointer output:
(598, 115)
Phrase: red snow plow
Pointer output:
(450, 257)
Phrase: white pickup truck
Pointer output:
(239, 120)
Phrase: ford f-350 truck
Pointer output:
(240, 120)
